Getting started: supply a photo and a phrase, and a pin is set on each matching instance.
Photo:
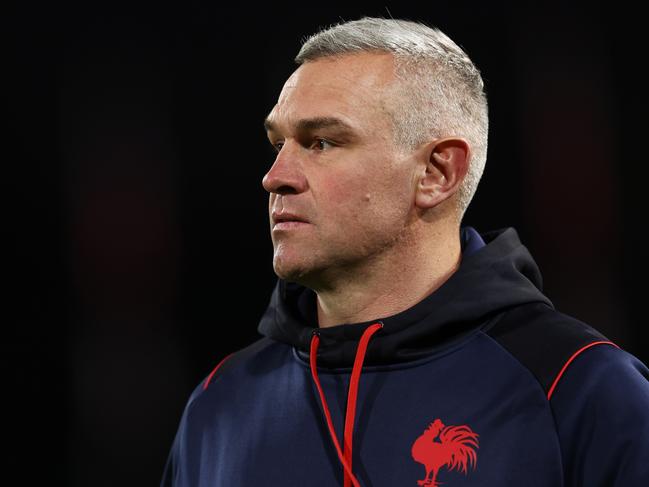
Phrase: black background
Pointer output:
(135, 224)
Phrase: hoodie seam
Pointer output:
(452, 348)
(543, 393)
(522, 365)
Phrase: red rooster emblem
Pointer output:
(453, 447)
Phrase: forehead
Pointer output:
(352, 87)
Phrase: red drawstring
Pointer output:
(346, 458)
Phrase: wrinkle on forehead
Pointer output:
(376, 68)
(351, 87)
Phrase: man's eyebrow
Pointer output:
(315, 123)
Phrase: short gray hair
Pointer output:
(440, 93)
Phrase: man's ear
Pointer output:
(446, 165)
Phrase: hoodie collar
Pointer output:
(497, 272)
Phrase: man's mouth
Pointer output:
(286, 221)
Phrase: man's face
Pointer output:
(341, 192)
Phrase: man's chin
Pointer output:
(291, 273)
(295, 272)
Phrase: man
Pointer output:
(400, 349)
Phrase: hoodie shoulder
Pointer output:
(233, 361)
(601, 410)
(544, 340)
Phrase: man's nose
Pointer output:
(286, 175)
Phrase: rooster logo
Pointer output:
(453, 447)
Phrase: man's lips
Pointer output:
(287, 217)
(286, 221)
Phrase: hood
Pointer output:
(497, 272)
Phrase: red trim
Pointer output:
(315, 341)
(346, 458)
(209, 377)
(352, 395)
(574, 356)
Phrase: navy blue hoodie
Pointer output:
(482, 383)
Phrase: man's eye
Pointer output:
(278, 146)
(322, 144)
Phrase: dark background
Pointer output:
(138, 251)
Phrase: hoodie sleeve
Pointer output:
(173, 475)
(601, 408)
(169, 473)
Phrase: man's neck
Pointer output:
(392, 286)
